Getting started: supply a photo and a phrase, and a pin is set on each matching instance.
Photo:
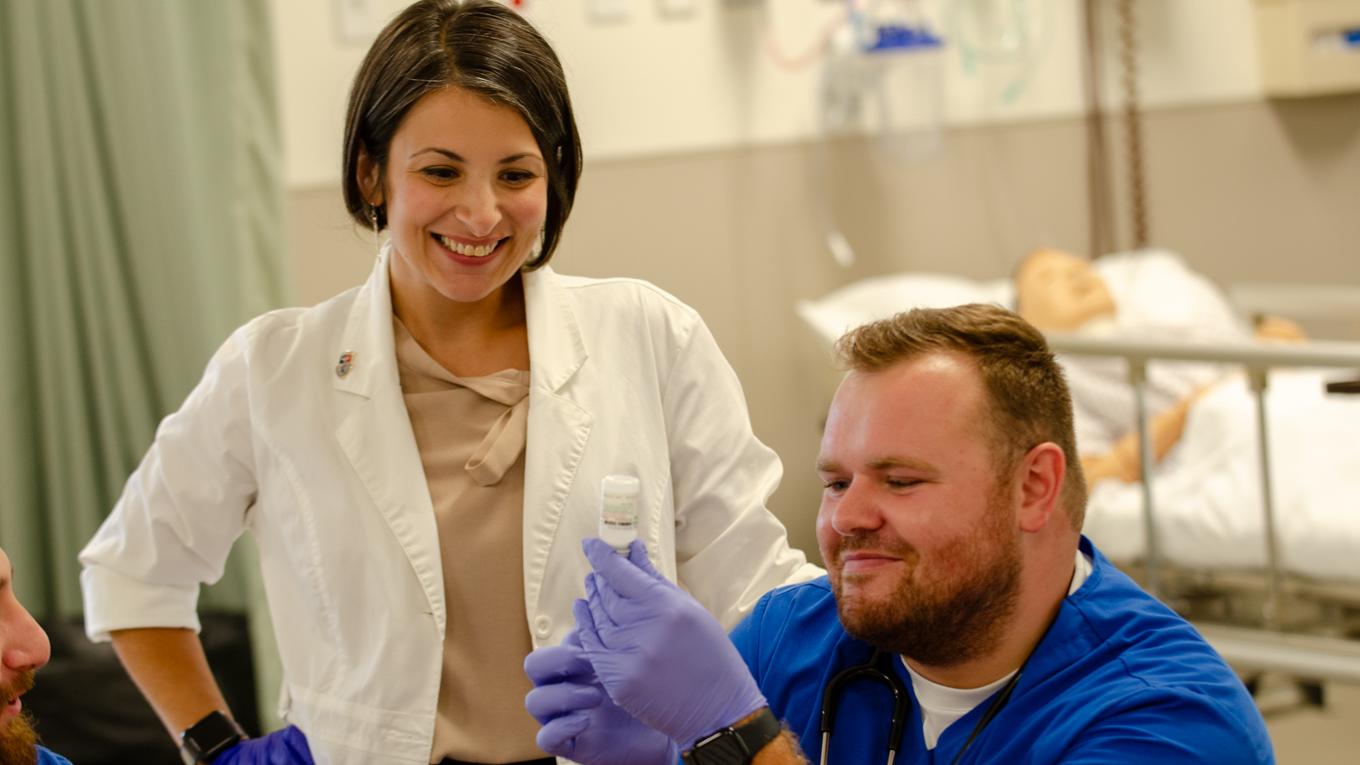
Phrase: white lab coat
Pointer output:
(323, 470)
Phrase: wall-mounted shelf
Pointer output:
(1308, 47)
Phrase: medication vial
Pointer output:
(619, 510)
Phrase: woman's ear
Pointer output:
(369, 178)
(1041, 480)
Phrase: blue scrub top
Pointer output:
(1117, 678)
(46, 757)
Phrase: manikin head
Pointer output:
(1057, 291)
(948, 448)
(23, 651)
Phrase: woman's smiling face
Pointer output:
(465, 192)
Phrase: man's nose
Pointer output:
(856, 511)
(25, 644)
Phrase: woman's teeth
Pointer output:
(471, 251)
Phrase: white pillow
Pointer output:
(1159, 296)
(879, 297)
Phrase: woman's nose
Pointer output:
(478, 209)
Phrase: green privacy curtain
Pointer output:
(140, 222)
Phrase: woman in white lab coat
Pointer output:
(419, 458)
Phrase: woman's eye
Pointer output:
(517, 177)
(440, 173)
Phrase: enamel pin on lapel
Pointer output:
(345, 365)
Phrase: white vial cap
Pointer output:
(616, 485)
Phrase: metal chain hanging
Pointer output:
(1097, 161)
(1133, 122)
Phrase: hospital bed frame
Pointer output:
(1269, 647)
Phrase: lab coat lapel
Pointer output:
(558, 426)
(374, 431)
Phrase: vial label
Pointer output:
(618, 510)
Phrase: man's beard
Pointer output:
(18, 741)
(958, 616)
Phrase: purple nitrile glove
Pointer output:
(579, 720)
(659, 654)
(282, 747)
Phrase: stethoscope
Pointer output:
(879, 669)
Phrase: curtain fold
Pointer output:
(141, 220)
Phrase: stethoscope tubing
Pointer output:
(878, 669)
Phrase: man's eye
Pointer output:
(836, 486)
(902, 483)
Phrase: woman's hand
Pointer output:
(1276, 329)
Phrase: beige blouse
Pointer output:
(470, 432)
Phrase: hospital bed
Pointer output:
(1251, 525)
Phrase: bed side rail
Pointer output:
(1313, 657)
(1259, 650)
(1257, 360)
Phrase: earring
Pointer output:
(373, 219)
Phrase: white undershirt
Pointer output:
(942, 706)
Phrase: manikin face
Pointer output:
(466, 195)
(23, 650)
(920, 544)
(1060, 292)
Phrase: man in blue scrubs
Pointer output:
(23, 651)
(950, 526)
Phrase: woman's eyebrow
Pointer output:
(450, 154)
(456, 157)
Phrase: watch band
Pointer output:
(736, 745)
(209, 737)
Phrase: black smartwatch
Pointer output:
(736, 745)
(201, 742)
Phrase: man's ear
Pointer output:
(1041, 473)
(369, 177)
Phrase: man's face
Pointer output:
(23, 650)
(916, 526)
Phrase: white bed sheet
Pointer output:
(1208, 490)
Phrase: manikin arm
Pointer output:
(1124, 460)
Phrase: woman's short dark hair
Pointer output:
(479, 46)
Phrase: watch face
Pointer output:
(209, 736)
(722, 748)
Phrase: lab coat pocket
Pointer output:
(301, 601)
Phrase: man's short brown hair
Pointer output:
(1027, 394)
